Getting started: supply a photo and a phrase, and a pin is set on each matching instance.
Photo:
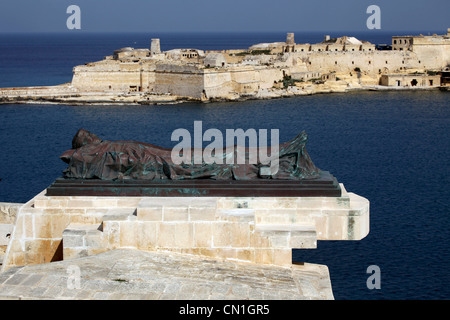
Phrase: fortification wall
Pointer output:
(433, 56)
(432, 51)
(114, 76)
(179, 79)
(245, 81)
(269, 76)
(374, 62)
(223, 83)
(217, 83)
(37, 91)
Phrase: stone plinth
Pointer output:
(261, 230)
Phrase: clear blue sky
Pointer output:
(222, 16)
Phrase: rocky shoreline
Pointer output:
(66, 94)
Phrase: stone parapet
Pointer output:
(261, 230)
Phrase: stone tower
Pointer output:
(155, 47)
(290, 39)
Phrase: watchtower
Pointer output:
(290, 39)
(155, 47)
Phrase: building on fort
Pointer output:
(410, 80)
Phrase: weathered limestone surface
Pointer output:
(8, 212)
(134, 274)
(257, 230)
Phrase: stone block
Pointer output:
(40, 203)
(259, 240)
(236, 215)
(128, 202)
(264, 256)
(78, 203)
(72, 240)
(337, 227)
(282, 257)
(128, 234)
(28, 226)
(147, 234)
(303, 241)
(175, 214)
(94, 240)
(280, 240)
(221, 234)
(74, 253)
(118, 213)
(86, 218)
(59, 224)
(239, 234)
(154, 213)
(43, 226)
(166, 234)
(18, 258)
(275, 216)
(202, 234)
(111, 234)
(77, 211)
(245, 255)
(184, 235)
(202, 213)
(321, 225)
(42, 251)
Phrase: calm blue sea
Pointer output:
(391, 147)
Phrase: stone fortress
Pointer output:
(264, 70)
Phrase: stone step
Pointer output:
(119, 214)
(289, 236)
(81, 240)
(237, 215)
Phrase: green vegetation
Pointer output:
(289, 82)
(258, 52)
(253, 52)
(315, 80)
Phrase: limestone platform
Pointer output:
(261, 230)
(134, 274)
